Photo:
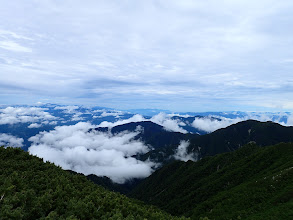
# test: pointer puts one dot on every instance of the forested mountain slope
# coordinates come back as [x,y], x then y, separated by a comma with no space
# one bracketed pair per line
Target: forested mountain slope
[228,139]
[231,138]
[32,189]
[250,183]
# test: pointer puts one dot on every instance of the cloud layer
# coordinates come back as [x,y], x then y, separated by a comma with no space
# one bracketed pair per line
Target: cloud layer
[10,140]
[74,148]
[13,115]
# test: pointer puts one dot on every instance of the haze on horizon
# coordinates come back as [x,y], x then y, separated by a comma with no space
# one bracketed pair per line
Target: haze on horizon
[177,55]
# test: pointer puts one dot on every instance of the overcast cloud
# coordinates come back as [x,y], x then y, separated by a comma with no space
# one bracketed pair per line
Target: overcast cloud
[102,154]
[178,55]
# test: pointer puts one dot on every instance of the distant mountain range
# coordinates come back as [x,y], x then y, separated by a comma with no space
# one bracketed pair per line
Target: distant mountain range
[228,139]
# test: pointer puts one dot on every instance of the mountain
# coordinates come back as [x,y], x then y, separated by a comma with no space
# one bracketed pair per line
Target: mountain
[150,133]
[32,189]
[250,183]
[229,139]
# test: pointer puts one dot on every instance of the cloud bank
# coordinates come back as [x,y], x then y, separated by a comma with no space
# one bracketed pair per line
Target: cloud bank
[13,115]
[213,122]
[135,118]
[168,123]
[10,140]
[74,148]
[160,119]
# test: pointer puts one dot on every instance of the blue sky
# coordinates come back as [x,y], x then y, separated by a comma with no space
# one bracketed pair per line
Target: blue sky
[179,55]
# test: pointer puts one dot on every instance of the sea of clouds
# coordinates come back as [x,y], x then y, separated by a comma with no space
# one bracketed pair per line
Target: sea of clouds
[73,147]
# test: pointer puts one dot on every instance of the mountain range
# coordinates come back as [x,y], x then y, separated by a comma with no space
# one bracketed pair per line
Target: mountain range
[242,171]
[164,143]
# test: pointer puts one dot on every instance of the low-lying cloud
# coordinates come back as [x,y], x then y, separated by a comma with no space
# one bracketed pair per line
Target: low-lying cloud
[160,119]
[212,123]
[182,154]
[105,113]
[13,115]
[135,118]
[103,154]
[10,140]
[72,110]
[168,123]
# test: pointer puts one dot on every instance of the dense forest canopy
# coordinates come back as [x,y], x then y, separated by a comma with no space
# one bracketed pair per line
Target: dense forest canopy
[32,189]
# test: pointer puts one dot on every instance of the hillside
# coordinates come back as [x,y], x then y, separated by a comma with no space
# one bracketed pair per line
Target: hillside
[32,189]
[251,183]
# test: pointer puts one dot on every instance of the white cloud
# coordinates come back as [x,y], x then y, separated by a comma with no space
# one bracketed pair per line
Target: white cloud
[290,120]
[70,109]
[182,154]
[160,119]
[135,118]
[10,140]
[226,50]
[102,154]
[211,124]
[76,117]
[4,33]
[13,115]
[13,46]
[116,114]
[34,125]
[168,123]
[214,122]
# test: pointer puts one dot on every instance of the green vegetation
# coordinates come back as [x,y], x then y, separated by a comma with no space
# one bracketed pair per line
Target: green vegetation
[32,189]
[251,183]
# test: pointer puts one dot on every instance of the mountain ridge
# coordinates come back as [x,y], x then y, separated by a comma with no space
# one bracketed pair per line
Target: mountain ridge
[246,183]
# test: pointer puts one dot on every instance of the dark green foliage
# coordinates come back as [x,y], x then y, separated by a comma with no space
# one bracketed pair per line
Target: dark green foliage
[251,183]
[108,184]
[32,189]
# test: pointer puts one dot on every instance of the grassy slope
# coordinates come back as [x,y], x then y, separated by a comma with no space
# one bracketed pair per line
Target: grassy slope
[32,189]
[250,183]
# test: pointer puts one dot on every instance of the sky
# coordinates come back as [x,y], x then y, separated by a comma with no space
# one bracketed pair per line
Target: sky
[212,55]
